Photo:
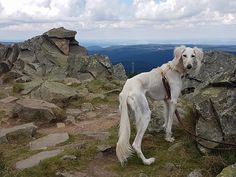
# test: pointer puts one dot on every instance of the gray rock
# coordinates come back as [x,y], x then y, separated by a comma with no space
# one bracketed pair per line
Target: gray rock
[49,141]
[8,99]
[71,81]
[69,157]
[38,111]
[55,92]
[17,134]
[60,33]
[8,56]
[70,120]
[61,125]
[62,44]
[214,99]
[195,173]
[91,115]
[102,148]
[119,72]
[36,159]
[157,116]
[87,107]
[73,112]
[170,167]
[229,171]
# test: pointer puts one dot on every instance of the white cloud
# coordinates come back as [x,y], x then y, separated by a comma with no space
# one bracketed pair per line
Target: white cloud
[91,15]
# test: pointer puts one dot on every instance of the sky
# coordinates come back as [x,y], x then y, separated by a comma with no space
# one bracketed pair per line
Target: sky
[141,21]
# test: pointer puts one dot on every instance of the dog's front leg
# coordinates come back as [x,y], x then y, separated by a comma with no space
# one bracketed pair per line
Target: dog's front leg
[172,107]
[166,114]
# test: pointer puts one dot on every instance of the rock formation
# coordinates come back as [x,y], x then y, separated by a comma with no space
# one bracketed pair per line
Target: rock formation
[42,64]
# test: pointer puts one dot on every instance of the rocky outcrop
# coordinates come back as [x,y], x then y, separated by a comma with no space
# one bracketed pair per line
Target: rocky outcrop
[209,99]
[55,55]
[214,98]
[44,63]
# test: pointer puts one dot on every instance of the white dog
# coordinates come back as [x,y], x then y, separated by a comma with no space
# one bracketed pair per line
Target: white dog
[150,84]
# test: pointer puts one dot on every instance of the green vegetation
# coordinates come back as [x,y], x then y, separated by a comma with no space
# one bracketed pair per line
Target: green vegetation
[17,88]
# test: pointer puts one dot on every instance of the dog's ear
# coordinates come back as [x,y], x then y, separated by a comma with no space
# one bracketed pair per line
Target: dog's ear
[178,51]
[199,56]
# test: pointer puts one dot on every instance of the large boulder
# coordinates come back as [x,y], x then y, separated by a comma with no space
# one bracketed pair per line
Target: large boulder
[17,134]
[8,55]
[55,92]
[38,111]
[229,171]
[214,99]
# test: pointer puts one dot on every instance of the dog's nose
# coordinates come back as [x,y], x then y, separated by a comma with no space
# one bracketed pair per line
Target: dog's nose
[189,66]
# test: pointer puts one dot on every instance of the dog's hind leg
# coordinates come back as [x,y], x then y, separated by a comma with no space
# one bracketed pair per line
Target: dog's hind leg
[142,116]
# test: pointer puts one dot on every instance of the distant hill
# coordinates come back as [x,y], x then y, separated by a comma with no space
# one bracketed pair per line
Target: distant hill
[6,43]
[145,57]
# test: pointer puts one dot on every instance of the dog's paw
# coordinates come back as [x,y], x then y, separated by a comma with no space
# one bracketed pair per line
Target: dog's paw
[170,139]
[149,161]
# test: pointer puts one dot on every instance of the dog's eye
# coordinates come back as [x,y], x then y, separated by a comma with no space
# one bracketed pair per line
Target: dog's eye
[193,56]
[185,56]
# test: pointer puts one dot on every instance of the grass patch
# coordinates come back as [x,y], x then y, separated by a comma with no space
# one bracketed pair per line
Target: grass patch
[17,88]
[186,158]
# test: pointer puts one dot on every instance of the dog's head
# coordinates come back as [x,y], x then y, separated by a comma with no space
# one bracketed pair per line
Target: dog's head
[186,57]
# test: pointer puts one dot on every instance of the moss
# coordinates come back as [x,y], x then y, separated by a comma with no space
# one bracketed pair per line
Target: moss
[96,86]
[17,88]
[2,94]
[212,91]
[2,114]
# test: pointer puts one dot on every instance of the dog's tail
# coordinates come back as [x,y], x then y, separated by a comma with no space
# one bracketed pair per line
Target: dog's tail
[123,147]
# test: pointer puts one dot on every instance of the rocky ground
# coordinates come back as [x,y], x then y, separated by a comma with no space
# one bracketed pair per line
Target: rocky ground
[59,115]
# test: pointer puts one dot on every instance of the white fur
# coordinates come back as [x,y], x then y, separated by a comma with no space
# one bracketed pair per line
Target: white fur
[150,84]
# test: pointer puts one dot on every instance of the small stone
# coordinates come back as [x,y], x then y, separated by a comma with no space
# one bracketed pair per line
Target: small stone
[103,148]
[61,125]
[69,157]
[170,167]
[73,112]
[87,107]
[91,115]
[195,173]
[70,120]
[71,81]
